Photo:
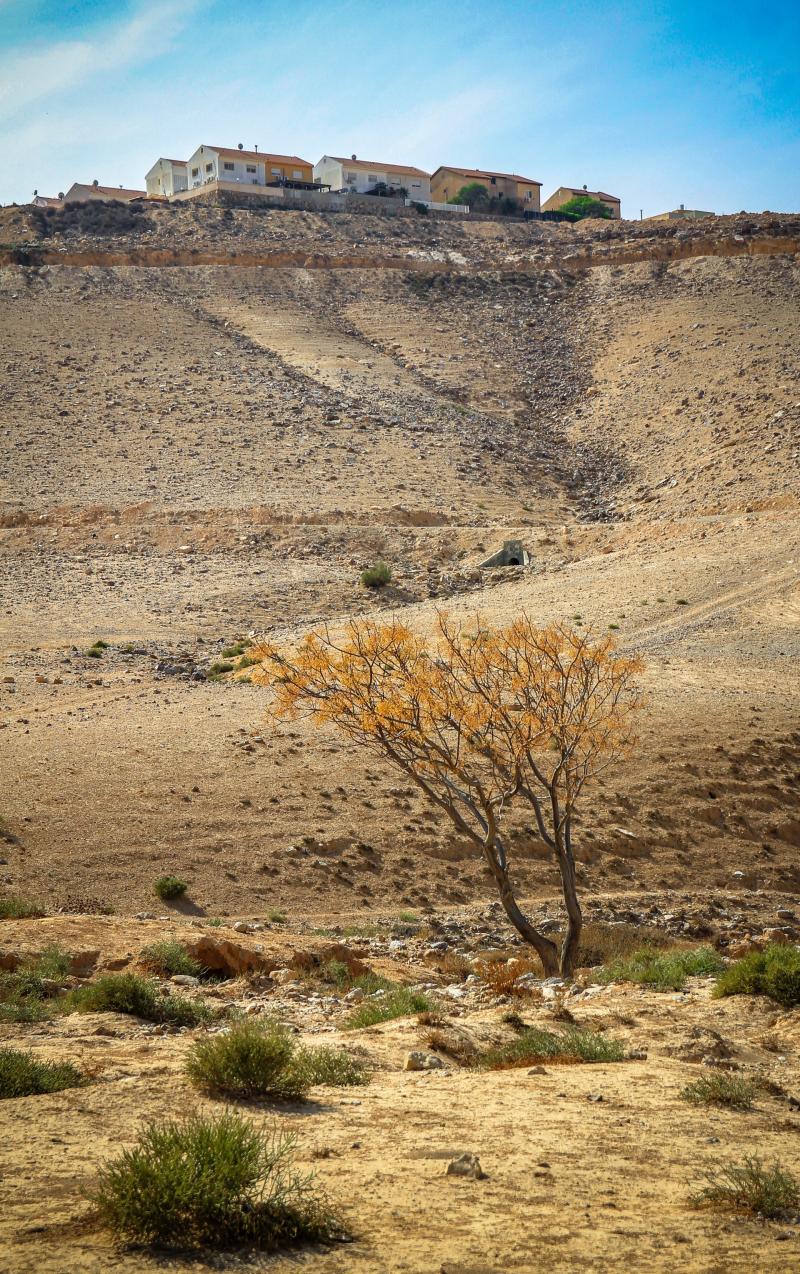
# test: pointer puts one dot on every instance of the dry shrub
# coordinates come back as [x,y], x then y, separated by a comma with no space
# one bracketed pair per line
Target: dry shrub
[452,965]
[602,942]
[453,1044]
[502,975]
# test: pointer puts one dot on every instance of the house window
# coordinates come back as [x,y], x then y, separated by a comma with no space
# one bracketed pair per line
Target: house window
[350,178]
[228,167]
[276,172]
[373,177]
[297,173]
[494,181]
[251,168]
[195,172]
[209,168]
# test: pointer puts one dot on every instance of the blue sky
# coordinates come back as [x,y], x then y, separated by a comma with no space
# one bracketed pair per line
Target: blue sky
[675,101]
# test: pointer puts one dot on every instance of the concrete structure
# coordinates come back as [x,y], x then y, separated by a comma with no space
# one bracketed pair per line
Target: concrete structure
[47,201]
[446,183]
[565,193]
[167,177]
[80,193]
[362,176]
[246,168]
[511,554]
[681,214]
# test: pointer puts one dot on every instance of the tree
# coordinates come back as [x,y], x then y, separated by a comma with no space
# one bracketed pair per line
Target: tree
[474,195]
[581,206]
[478,720]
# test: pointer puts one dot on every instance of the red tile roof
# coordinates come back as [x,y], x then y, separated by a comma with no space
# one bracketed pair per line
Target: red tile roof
[485,172]
[381,167]
[234,152]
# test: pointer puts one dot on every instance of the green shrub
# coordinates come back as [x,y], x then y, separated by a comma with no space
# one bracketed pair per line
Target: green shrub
[774,972]
[24,992]
[262,1059]
[168,887]
[750,1187]
[337,974]
[233,651]
[572,1044]
[719,1089]
[376,576]
[211,1182]
[168,958]
[401,1002]
[14,908]
[139,997]
[580,206]
[219,668]
[252,1059]
[662,971]
[23,1075]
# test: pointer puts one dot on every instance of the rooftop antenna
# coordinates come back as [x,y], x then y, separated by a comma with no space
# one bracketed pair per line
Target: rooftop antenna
[241,147]
[256,149]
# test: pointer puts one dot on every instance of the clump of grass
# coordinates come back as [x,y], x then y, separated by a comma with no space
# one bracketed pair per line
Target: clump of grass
[95,651]
[659,970]
[453,965]
[601,941]
[377,576]
[719,1089]
[169,958]
[407,917]
[276,917]
[236,649]
[751,1187]
[219,668]
[502,975]
[534,1044]
[25,992]
[23,1075]
[774,972]
[14,908]
[400,1002]
[261,1059]
[139,997]
[211,1183]
[168,887]
[336,973]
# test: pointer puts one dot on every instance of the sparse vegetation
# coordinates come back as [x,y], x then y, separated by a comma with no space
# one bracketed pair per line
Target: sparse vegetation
[219,669]
[238,648]
[502,975]
[95,651]
[662,971]
[23,1075]
[14,908]
[262,1059]
[26,991]
[377,576]
[169,958]
[720,1089]
[533,1044]
[140,997]
[773,1193]
[774,972]
[211,1183]
[402,1002]
[169,887]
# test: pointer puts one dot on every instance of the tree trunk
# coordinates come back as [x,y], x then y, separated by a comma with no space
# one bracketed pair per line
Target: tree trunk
[546,950]
[569,884]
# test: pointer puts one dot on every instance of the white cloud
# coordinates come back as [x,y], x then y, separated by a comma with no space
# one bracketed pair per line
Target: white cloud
[37,74]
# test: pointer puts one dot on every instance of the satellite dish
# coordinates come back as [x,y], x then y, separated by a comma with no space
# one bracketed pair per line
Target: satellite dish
[241,147]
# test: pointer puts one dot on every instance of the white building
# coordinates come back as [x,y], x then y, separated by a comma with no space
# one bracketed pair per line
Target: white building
[361,176]
[167,177]
[244,167]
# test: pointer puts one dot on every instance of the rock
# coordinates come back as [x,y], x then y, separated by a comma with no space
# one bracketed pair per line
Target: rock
[466,1165]
[417,1060]
[702,1043]
[537,1070]
[224,956]
[354,996]
[184,979]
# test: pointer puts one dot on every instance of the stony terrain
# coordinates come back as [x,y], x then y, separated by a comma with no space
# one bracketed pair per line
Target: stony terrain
[213,421]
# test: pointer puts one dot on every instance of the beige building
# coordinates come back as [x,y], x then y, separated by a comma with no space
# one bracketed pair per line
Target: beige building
[565,193]
[680,214]
[231,166]
[363,175]
[80,193]
[166,178]
[447,181]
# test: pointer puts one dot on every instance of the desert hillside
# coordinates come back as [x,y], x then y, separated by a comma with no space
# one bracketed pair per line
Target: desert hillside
[214,420]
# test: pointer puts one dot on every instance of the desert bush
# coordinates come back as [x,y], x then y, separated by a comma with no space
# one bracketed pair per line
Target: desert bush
[751,1187]
[168,958]
[376,576]
[662,972]
[719,1089]
[452,1044]
[236,649]
[211,1182]
[502,975]
[95,651]
[570,1045]
[335,973]
[453,965]
[602,942]
[401,1002]
[774,972]
[168,887]
[25,991]
[14,908]
[262,1059]
[219,668]
[139,997]
[23,1075]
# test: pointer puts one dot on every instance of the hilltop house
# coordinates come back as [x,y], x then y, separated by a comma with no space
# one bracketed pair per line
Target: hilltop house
[446,183]
[167,177]
[362,176]
[680,214]
[246,168]
[565,193]
[80,193]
